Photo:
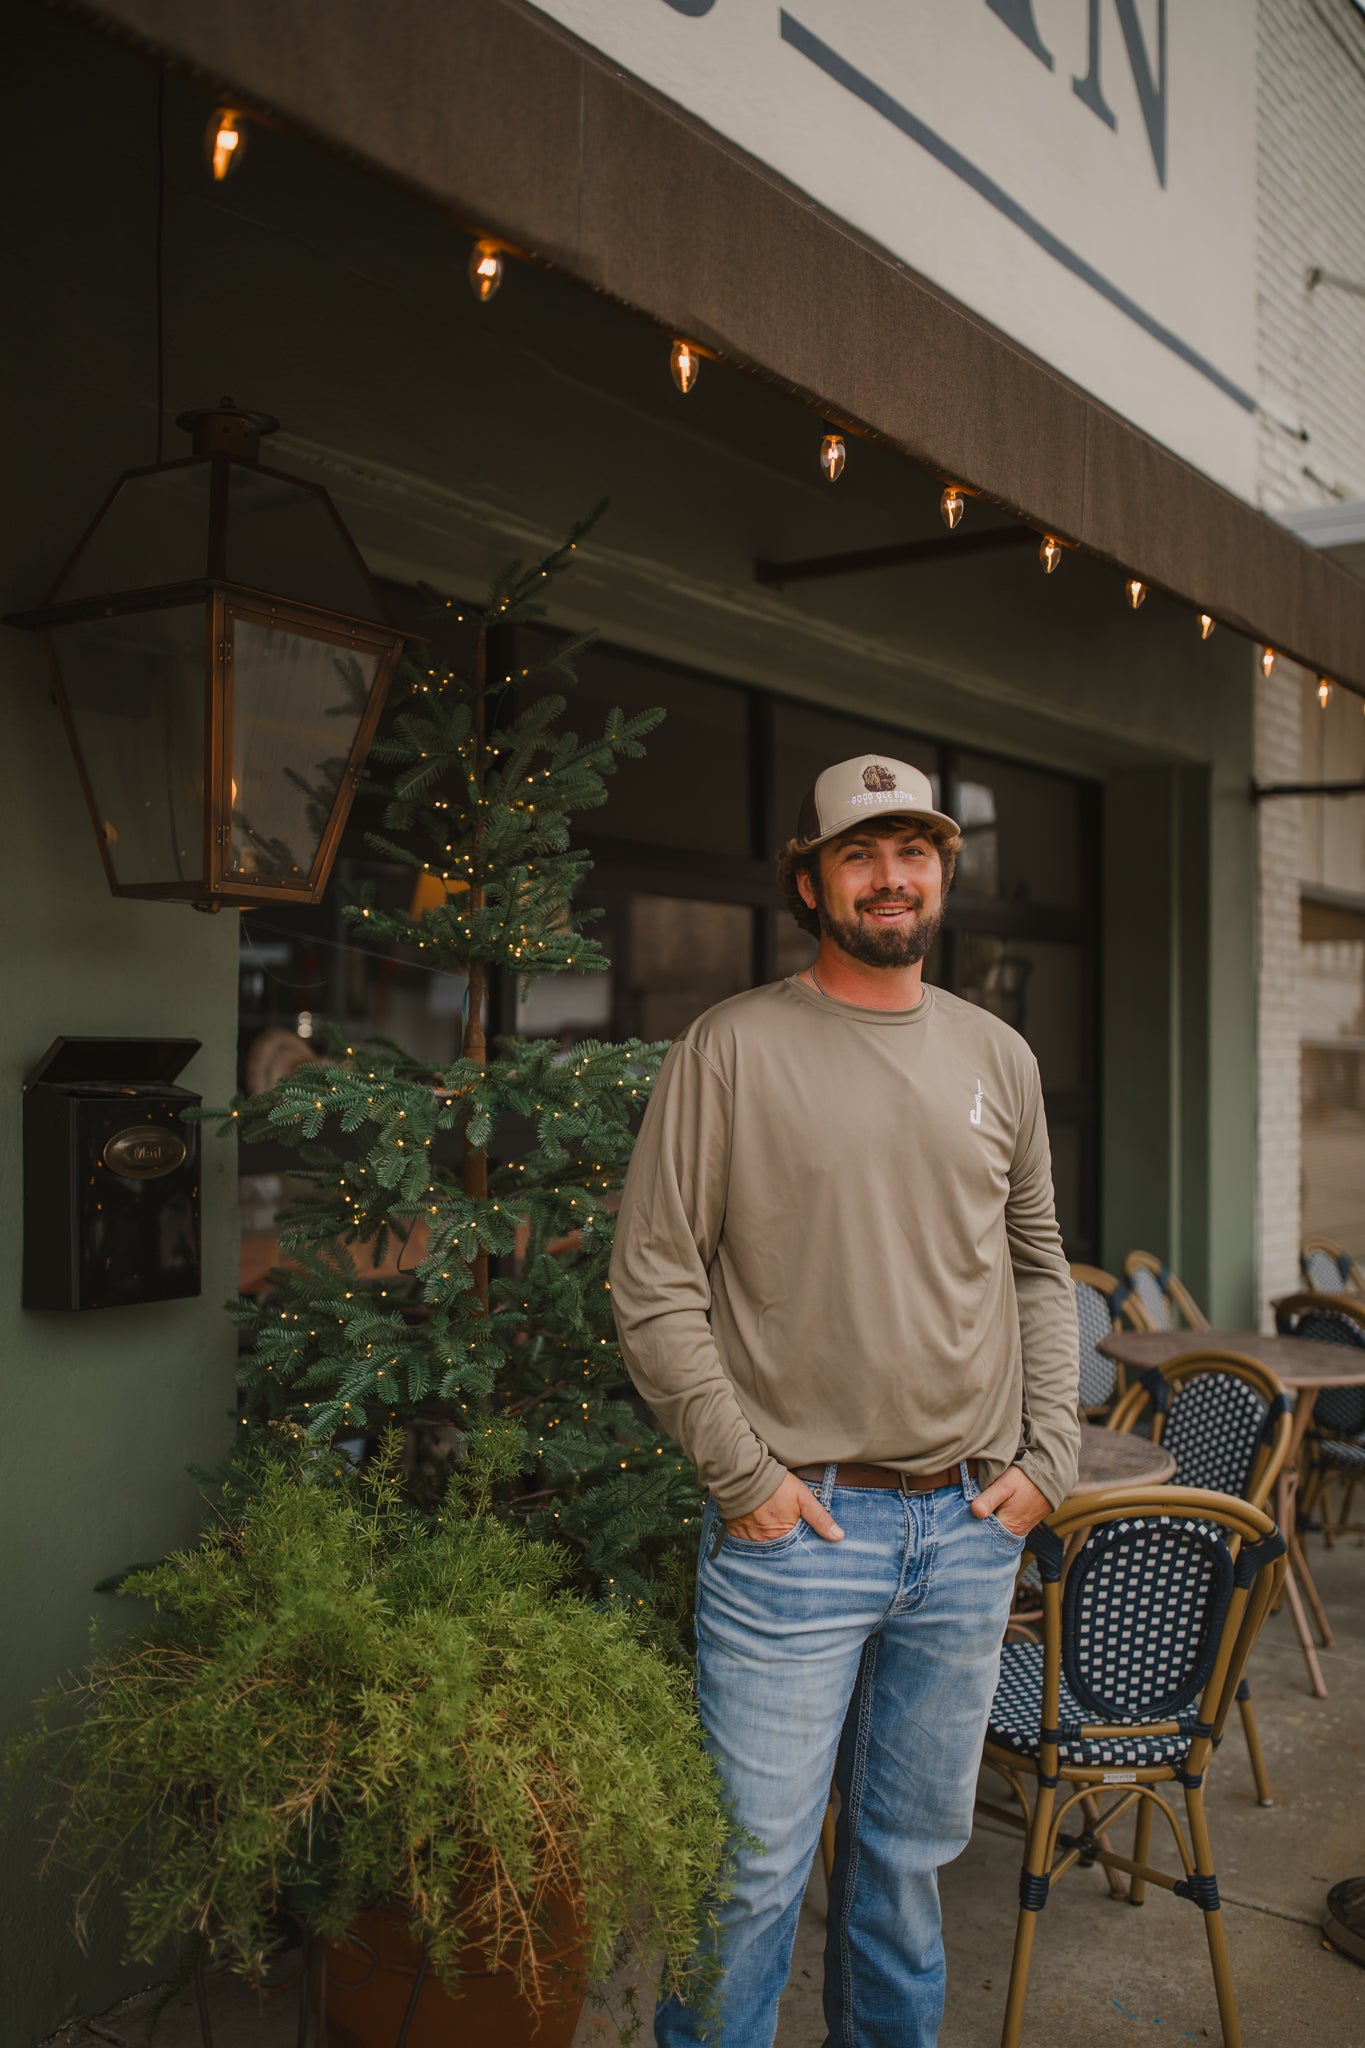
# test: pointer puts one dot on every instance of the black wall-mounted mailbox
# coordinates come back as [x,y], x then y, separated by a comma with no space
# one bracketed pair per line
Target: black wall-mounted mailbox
[111,1175]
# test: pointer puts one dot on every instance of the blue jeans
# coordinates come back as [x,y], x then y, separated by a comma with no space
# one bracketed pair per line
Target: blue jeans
[873,1662]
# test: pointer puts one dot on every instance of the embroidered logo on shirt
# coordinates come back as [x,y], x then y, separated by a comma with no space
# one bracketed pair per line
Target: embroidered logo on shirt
[878,777]
[975,1116]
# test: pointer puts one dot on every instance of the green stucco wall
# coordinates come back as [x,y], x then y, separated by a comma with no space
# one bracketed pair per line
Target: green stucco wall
[102,1411]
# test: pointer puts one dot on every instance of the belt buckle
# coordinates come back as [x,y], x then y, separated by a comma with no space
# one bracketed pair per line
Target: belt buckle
[903,1483]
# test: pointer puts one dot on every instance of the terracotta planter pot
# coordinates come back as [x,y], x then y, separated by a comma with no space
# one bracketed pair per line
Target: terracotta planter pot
[369,1982]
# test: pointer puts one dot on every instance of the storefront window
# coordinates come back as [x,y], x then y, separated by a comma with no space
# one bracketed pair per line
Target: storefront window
[682,875]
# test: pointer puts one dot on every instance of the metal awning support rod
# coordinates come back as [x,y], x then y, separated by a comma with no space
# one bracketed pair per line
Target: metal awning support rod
[1261,790]
[900,555]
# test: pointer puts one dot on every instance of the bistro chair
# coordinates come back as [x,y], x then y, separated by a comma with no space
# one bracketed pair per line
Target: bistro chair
[1335,1444]
[1168,1303]
[1103,1305]
[1147,1626]
[1227,1422]
[1330,1270]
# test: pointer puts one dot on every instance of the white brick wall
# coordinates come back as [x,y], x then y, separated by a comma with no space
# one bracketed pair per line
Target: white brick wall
[1311,369]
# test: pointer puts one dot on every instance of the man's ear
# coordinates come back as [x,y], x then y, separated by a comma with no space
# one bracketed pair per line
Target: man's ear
[806,887]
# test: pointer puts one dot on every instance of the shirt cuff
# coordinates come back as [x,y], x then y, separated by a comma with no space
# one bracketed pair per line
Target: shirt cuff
[1053,1477]
[748,1494]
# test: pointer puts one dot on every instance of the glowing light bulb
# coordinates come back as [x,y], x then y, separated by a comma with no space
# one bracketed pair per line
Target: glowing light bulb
[485,269]
[833,456]
[1267,661]
[1207,622]
[1049,554]
[951,506]
[1136,591]
[685,364]
[1324,692]
[224,141]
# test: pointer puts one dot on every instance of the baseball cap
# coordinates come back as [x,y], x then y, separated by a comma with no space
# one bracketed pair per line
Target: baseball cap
[858,792]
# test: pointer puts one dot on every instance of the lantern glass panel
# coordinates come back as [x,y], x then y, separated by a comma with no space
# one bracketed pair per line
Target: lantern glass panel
[155,531]
[134,689]
[284,538]
[297,703]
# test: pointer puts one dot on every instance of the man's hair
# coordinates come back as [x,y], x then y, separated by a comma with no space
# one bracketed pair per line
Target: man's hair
[800,855]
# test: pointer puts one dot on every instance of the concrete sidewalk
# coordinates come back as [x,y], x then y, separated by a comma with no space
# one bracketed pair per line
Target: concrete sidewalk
[1105,1974]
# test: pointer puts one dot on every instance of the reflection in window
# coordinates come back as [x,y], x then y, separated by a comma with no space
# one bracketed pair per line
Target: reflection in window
[683,958]
[1024,832]
[1035,986]
[1332,1014]
[691,787]
[978,864]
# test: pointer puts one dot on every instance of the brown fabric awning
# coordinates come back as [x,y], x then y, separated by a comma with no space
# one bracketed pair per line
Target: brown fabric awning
[522,132]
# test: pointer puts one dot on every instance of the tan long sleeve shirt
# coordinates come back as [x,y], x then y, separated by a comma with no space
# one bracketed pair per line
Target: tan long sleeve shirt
[837,1241]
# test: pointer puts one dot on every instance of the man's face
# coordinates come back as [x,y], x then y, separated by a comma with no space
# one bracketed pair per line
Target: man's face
[878,895]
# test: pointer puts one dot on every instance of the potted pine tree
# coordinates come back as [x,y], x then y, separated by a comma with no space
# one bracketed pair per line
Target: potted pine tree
[464,1782]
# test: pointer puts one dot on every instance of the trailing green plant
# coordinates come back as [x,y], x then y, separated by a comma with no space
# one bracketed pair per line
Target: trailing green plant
[339,1702]
[497,1175]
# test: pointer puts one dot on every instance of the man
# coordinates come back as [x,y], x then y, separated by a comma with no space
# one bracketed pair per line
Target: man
[838,1281]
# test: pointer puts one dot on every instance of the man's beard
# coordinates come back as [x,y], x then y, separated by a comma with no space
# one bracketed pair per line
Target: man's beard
[896,945]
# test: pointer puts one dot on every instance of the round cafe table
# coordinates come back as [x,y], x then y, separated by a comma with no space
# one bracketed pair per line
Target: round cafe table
[1110,1457]
[1304,1367]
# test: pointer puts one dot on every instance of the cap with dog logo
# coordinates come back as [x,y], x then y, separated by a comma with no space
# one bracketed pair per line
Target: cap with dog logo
[860,791]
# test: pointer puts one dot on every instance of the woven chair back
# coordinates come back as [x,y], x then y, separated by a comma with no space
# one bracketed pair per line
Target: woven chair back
[1166,1301]
[1215,1425]
[1150,1293]
[1143,1608]
[1322,1272]
[1330,1270]
[1094,1319]
[1340,1411]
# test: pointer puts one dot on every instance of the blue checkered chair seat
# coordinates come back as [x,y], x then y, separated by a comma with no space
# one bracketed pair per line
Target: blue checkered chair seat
[1017,1712]
[1347,1454]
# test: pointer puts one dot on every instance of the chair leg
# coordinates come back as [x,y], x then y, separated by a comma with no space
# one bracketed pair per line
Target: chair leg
[1252,1733]
[1142,1849]
[1329,1527]
[1090,1807]
[1213,1920]
[1032,1886]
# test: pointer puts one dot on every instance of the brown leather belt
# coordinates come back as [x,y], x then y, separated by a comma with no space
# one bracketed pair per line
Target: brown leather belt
[882,1475]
